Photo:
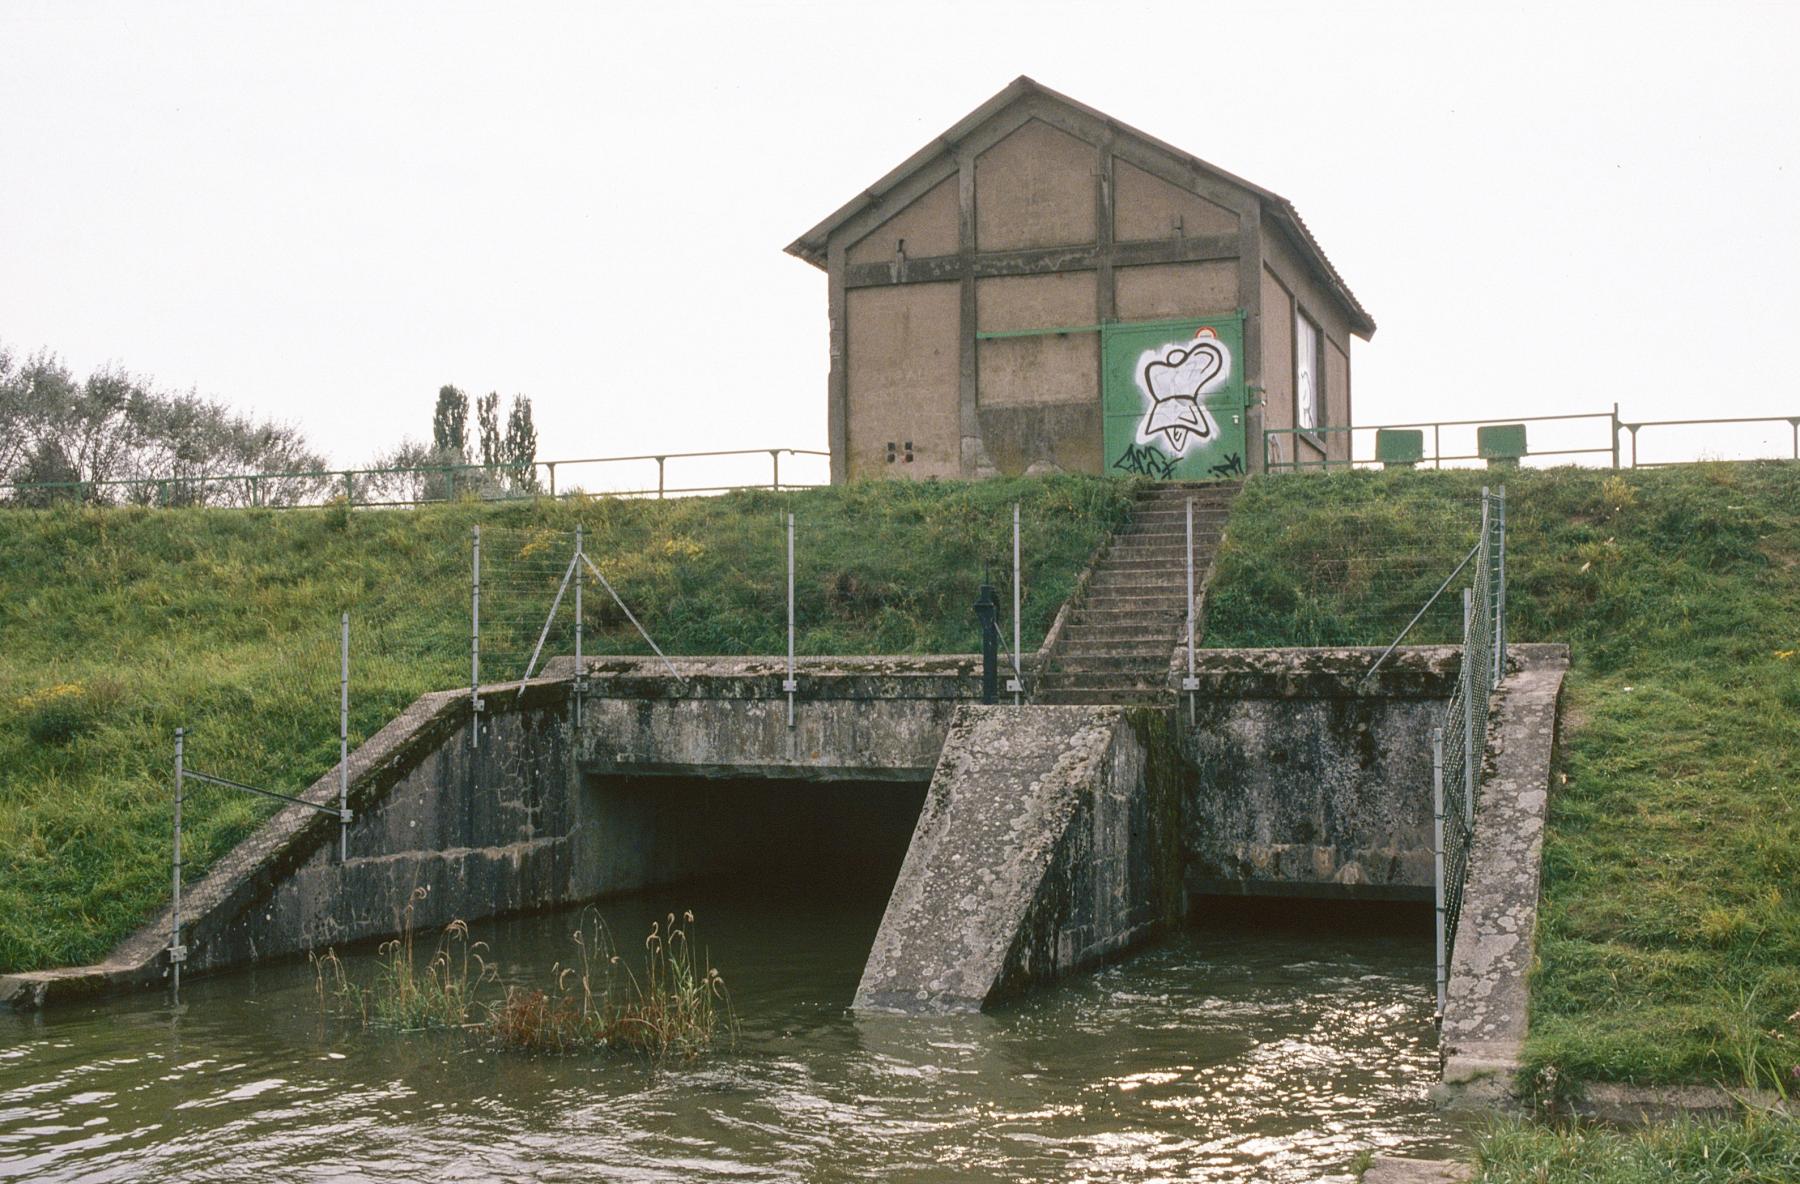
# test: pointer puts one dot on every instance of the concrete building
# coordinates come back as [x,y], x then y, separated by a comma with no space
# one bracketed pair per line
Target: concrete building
[1042,288]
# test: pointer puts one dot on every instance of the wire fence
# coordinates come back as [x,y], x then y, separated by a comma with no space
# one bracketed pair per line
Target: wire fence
[1459,743]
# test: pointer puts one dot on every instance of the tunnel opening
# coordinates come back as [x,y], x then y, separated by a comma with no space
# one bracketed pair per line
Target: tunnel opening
[755,837]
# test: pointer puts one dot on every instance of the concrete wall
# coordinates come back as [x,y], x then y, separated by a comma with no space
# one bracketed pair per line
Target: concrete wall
[541,814]
[1146,208]
[1307,780]
[924,228]
[1035,188]
[1048,840]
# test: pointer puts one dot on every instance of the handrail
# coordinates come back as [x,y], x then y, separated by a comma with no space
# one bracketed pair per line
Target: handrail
[452,475]
[1437,457]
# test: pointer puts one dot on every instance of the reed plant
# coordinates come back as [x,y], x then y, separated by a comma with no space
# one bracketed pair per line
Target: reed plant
[440,992]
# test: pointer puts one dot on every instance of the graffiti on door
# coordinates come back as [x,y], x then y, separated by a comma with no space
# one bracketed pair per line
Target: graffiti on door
[1173,378]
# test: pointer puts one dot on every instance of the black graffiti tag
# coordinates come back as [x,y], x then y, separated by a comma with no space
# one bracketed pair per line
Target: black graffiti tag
[1146,461]
[1231,466]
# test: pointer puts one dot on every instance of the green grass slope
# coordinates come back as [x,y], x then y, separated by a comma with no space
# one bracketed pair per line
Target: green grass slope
[117,626]
[1670,939]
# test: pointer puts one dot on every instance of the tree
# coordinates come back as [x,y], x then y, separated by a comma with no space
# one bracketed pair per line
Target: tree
[113,427]
[450,426]
[487,424]
[520,446]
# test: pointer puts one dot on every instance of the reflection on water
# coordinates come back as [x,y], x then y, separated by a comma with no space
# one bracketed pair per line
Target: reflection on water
[1257,1050]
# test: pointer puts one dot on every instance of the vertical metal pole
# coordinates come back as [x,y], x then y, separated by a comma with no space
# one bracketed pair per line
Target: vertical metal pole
[775,460]
[344,743]
[789,685]
[1018,685]
[177,954]
[1615,435]
[1437,854]
[551,465]
[1632,428]
[580,670]
[1190,684]
[475,645]
[659,475]
[1796,423]
[1471,755]
[1437,446]
[1500,591]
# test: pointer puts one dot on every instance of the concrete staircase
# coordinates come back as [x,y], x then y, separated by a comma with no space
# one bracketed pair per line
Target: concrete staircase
[1116,643]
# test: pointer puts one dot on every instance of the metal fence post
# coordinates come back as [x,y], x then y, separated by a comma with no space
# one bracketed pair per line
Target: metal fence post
[775,461]
[659,475]
[344,743]
[1437,854]
[177,951]
[475,643]
[1471,757]
[580,670]
[1191,683]
[788,684]
[1018,678]
[1615,435]
[1500,590]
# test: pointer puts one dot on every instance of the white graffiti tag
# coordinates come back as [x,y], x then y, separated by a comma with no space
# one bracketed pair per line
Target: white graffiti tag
[1174,377]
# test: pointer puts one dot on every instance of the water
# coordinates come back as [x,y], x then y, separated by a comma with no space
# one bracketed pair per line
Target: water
[1259,1049]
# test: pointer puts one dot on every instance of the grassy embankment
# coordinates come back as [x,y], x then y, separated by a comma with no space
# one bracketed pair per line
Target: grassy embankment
[1669,943]
[1762,1149]
[116,626]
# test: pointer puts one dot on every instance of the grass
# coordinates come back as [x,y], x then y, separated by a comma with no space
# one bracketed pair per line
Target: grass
[1758,1149]
[674,1010]
[118,625]
[1669,941]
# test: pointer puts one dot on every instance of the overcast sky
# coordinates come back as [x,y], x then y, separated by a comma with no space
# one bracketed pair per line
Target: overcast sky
[322,213]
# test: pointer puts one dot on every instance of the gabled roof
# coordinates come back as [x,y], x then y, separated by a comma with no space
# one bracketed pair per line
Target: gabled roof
[811,245]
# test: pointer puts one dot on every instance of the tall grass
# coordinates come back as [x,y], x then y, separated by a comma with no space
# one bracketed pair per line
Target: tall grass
[673,1007]
[1761,1148]
[118,625]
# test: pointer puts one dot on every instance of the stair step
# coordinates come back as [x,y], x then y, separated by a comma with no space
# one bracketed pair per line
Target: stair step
[1101,698]
[1082,633]
[1107,680]
[1076,649]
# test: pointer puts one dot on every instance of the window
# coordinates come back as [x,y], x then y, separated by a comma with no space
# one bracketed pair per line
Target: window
[1309,375]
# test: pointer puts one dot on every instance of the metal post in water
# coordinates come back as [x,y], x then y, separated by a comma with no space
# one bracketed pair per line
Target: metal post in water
[177,951]
[1017,686]
[580,670]
[344,743]
[788,684]
[1191,683]
[1471,754]
[475,645]
[1437,855]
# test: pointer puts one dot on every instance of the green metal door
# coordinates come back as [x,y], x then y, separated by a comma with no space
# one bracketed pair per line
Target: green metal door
[1173,394]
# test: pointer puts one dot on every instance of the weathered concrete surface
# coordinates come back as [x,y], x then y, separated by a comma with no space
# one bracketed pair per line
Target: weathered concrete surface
[250,871]
[1486,1007]
[1047,842]
[860,719]
[518,823]
[1309,779]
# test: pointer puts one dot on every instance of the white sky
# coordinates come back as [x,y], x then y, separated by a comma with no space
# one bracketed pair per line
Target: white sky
[322,213]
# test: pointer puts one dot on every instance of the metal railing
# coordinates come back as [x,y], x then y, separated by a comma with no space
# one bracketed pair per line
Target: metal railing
[408,486]
[1282,446]
[1460,742]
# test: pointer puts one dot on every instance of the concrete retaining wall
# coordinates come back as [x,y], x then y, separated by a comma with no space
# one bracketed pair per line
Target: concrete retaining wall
[538,815]
[1308,779]
[1048,841]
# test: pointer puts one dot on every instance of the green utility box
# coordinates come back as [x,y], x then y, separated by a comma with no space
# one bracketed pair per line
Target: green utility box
[1501,444]
[1399,448]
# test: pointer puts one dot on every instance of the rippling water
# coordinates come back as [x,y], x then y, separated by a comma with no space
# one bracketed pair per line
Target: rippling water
[1261,1049]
